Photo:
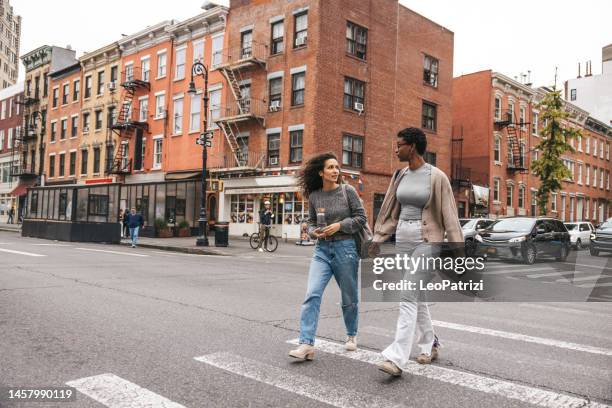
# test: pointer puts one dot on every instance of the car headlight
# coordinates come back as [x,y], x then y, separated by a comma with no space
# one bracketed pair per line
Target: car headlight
[478,238]
[519,239]
[593,236]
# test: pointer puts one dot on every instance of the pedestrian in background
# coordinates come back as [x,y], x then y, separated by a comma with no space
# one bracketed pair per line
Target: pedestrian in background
[419,208]
[265,221]
[11,213]
[335,253]
[126,228]
[135,222]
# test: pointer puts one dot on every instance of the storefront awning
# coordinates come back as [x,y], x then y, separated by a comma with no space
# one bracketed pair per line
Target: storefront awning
[481,195]
[184,175]
[20,190]
[262,190]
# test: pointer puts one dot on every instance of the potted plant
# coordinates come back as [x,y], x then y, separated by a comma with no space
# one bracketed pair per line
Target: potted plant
[184,229]
[161,228]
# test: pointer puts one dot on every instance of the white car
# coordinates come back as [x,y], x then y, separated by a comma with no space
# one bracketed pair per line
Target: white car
[580,233]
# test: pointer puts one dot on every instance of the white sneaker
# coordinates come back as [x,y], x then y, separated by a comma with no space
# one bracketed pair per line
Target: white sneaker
[351,343]
[260,249]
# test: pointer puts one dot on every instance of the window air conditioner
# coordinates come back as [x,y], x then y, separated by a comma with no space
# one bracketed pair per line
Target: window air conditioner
[359,107]
[86,129]
[112,86]
[274,106]
[300,41]
[273,161]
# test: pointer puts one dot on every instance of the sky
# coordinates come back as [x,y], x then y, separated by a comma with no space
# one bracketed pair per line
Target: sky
[511,37]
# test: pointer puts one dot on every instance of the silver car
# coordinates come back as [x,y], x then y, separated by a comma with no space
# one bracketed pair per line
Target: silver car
[470,227]
[580,233]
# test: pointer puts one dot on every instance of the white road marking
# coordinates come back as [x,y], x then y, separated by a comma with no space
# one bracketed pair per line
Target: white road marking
[496,272]
[595,285]
[115,392]
[296,383]
[164,253]
[567,310]
[587,265]
[112,252]
[543,275]
[10,251]
[53,245]
[584,278]
[507,389]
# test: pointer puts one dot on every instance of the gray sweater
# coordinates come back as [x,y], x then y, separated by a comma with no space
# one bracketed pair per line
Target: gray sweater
[351,217]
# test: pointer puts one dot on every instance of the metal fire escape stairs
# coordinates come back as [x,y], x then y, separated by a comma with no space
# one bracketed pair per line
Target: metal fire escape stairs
[514,131]
[125,125]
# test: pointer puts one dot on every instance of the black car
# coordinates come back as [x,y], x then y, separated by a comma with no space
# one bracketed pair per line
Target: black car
[525,238]
[601,238]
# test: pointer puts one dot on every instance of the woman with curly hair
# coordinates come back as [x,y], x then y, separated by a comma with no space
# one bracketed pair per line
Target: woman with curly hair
[335,214]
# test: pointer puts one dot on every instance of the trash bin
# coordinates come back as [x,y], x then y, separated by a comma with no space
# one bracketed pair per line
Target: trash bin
[222,234]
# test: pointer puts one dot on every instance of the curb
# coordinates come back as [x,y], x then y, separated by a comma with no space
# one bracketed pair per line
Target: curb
[193,251]
[10,230]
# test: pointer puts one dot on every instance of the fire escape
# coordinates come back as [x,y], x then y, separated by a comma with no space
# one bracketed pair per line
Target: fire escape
[516,142]
[22,151]
[243,109]
[128,119]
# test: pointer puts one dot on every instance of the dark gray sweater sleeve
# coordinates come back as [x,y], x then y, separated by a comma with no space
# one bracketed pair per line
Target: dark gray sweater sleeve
[312,217]
[357,220]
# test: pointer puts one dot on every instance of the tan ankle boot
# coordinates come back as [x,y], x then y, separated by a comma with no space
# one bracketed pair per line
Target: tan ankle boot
[351,343]
[390,368]
[424,359]
[303,352]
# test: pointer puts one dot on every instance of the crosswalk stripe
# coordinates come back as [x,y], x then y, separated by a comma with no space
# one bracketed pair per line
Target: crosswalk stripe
[567,310]
[10,251]
[113,252]
[115,392]
[502,272]
[507,389]
[583,278]
[544,275]
[595,285]
[506,335]
[296,383]
[52,245]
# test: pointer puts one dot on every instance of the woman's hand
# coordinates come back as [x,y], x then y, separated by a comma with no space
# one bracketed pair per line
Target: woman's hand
[330,230]
[374,249]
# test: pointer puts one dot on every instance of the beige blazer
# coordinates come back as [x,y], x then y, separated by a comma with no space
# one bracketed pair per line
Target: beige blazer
[439,214]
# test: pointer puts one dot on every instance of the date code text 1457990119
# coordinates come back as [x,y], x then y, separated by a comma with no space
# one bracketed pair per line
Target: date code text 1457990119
[40,394]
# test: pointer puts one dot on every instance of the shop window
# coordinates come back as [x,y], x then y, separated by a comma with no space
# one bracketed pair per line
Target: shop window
[98,205]
[242,208]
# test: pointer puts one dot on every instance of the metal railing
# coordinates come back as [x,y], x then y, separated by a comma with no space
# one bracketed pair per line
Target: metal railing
[244,108]
[247,159]
[253,52]
[135,76]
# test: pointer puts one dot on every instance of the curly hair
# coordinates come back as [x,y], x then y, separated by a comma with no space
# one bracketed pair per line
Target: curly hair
[309,179]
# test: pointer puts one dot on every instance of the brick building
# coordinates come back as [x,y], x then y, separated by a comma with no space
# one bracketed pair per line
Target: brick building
[498,120]
[10,28]
[11,118]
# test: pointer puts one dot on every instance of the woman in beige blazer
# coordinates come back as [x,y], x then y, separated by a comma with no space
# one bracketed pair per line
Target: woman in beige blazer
[419,208]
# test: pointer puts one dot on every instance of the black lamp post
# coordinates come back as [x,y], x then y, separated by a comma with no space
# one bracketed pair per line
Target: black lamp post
[205,140]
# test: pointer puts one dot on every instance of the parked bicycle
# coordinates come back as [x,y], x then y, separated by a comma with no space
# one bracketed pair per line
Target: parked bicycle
[269,244]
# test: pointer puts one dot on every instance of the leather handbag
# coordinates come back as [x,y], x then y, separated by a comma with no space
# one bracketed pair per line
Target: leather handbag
[363,237]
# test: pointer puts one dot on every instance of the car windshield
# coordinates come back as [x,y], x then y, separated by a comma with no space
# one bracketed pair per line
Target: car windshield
[513,225]
[571,227]
[606,225]
[467,224]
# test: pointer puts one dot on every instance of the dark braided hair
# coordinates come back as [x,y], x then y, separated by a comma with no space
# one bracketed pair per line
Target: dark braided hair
[309,179]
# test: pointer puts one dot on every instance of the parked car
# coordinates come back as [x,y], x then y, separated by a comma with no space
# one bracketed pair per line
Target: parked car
[580,233]
[601,238]
[470,227]
[527,238]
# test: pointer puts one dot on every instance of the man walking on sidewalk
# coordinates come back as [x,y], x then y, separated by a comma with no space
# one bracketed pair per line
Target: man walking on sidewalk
[11,213]
[135,222]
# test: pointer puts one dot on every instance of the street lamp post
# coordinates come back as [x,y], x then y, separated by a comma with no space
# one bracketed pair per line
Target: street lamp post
[205,140]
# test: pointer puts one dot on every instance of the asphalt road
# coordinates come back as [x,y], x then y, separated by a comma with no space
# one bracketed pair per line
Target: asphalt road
[145,328]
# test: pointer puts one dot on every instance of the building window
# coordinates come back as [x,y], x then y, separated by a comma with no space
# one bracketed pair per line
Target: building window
[161,65]
[52,166]
[98,205]
[429,121]
[113,74]
[587,145]
[179,66]
[534,204]
[98,119]
[553,202]
[96,161]
[217,51]
[87,86]
[607,151]
[85,122]
[274,149]
[100,83]
[64,129]
[73,156]
[430,71]
[298,84]
[145,69]
[76,91]
[572,94]
[144,109]
[295,146]
[497,149]
[608,180]
[53,131]
[66,93]
[278,34]
[352,151]
[215,108]
[246,44]
[601,178]
[242,209]
[142,153]
[430,157]
[160,101]
[522,118]
[55,96]
[595,177]
[276,93]
[521,196]
[301,30]
[198,51]
[579,173]
[498,108]
[496,190]
[511,111]
[509,189]
[84,157]
[157,153]
[587,175]
[75,126]
[354,93]
[594,147]
[601,149]
[579,143]
[194,113]
[62,164]
[178,116]
[356,40]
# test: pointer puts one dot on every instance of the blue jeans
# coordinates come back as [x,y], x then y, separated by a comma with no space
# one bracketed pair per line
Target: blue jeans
[340,260]
[134,235]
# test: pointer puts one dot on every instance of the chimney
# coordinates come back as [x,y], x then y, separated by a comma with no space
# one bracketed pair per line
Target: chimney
[579,71]
[529,78]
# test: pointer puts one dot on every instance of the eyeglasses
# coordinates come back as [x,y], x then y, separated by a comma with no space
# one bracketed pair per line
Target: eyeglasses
[402,144]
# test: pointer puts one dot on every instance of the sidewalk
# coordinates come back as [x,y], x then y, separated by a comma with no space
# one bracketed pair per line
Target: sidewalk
[10,227]
[237,246]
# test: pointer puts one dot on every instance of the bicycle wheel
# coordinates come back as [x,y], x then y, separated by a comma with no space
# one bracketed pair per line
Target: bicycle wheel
[254,240]
[271,243]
